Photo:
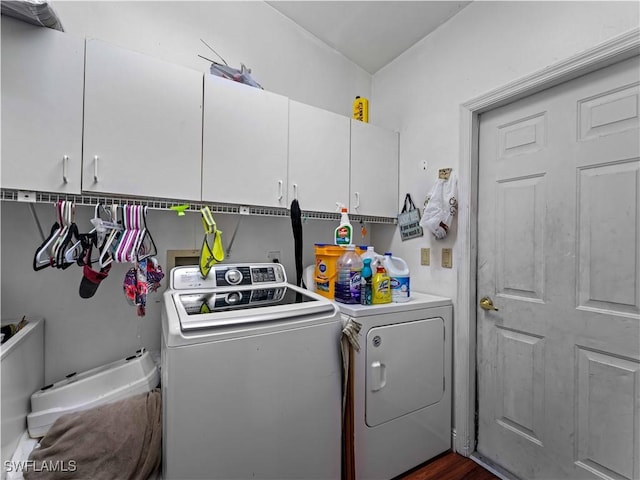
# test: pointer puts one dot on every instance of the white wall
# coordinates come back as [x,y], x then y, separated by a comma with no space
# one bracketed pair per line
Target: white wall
[84,333]
[485,46]
[284,58]
[81,334]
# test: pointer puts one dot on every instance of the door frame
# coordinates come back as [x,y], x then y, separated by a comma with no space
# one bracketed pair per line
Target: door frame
[614,50]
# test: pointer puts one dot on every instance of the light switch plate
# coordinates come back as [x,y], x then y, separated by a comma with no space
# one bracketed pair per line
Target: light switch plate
[425,256]
[447,258]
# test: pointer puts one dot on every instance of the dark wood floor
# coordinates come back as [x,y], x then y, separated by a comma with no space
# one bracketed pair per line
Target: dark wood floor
[449,466]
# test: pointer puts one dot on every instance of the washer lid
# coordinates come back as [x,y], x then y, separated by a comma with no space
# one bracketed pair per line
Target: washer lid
[210,308]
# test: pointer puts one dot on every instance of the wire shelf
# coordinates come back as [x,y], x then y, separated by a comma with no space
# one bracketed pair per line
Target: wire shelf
[166,204]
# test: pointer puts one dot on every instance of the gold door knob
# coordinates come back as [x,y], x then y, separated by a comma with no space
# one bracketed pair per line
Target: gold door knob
[487,304]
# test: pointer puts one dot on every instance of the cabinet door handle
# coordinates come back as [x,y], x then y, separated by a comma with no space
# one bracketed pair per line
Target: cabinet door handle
[295,191]
[65,164]
[357,205]
[280,183]
[95,169]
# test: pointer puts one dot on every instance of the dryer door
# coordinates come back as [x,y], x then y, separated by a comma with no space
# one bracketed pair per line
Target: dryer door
[405,369]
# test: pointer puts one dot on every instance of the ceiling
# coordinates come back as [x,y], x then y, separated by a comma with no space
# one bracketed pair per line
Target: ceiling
[370,33]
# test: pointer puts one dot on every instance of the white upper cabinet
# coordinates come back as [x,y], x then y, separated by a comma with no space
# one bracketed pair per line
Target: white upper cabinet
[244,152]
[318,157]
[374,170]
[42,77]
[142,125]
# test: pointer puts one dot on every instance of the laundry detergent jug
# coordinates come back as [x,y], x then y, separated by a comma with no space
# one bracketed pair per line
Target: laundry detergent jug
[398,271]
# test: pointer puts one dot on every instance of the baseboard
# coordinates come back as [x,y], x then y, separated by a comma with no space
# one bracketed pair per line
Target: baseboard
[497,470]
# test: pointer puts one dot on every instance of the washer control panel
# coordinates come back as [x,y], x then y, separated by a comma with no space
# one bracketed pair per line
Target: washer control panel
[226,276]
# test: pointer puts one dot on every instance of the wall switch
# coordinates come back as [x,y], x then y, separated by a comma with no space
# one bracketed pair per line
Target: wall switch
[447,258]
[425,256]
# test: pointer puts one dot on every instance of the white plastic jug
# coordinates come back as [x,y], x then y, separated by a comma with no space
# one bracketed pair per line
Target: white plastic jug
[398,270]
[370,253]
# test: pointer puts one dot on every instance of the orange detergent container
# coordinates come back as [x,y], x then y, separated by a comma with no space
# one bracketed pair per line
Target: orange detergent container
[326,272]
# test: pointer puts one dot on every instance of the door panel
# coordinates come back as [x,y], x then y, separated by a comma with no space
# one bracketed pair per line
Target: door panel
[559,254]
[520,209]
[405,369]
[601,187]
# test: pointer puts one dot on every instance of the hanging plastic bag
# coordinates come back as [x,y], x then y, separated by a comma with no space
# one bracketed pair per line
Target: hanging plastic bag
[441,205]
[409,220]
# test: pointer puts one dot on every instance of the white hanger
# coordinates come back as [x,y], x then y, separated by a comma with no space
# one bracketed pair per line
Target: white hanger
[77,249]
[106,256]
[42,258]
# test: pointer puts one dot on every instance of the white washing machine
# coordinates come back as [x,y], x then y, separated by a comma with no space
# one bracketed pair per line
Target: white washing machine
[402,384]
[251,377]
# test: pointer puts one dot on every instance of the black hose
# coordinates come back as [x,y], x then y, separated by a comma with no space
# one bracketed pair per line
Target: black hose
[296,225]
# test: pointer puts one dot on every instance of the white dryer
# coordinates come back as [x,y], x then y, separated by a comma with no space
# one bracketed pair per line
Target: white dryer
[402,384]
[251,377]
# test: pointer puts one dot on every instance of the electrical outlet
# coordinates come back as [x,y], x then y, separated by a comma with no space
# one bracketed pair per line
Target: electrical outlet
[447,258]
[274,256]
[425,256]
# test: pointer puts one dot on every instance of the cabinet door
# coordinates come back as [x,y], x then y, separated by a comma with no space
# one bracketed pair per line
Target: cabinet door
[244,151]
[318,157]
[374,170]
[42,81]
[142,125]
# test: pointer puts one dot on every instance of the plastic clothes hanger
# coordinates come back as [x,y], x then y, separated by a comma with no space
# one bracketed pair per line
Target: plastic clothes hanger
[134,222]
[124,239]
[72,232]
[111,241]
[137,247]
[86,241]
[62,235]
[42,258]
[147,246]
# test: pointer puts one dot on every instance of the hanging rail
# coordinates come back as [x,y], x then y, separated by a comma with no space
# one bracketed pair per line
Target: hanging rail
[166,204]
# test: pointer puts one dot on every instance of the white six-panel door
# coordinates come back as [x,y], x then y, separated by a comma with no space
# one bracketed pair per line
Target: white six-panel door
[559,256]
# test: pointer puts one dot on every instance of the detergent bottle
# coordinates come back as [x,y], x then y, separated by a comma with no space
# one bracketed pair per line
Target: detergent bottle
[347,285]
[398,271]
[370,253]
[381,286]
[366,283]
[344,231]
[361,109]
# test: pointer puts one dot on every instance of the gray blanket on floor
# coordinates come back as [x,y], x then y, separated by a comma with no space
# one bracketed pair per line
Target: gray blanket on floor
[121,440]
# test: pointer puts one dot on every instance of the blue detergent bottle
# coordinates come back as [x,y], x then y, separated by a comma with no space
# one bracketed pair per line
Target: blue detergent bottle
[366,278]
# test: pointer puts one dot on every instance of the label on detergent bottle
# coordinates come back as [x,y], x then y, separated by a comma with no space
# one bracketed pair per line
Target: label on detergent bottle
[322,281]
[361,109]
[354,286]
[347,288]
[381,288]
[343,235]
[400,291]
